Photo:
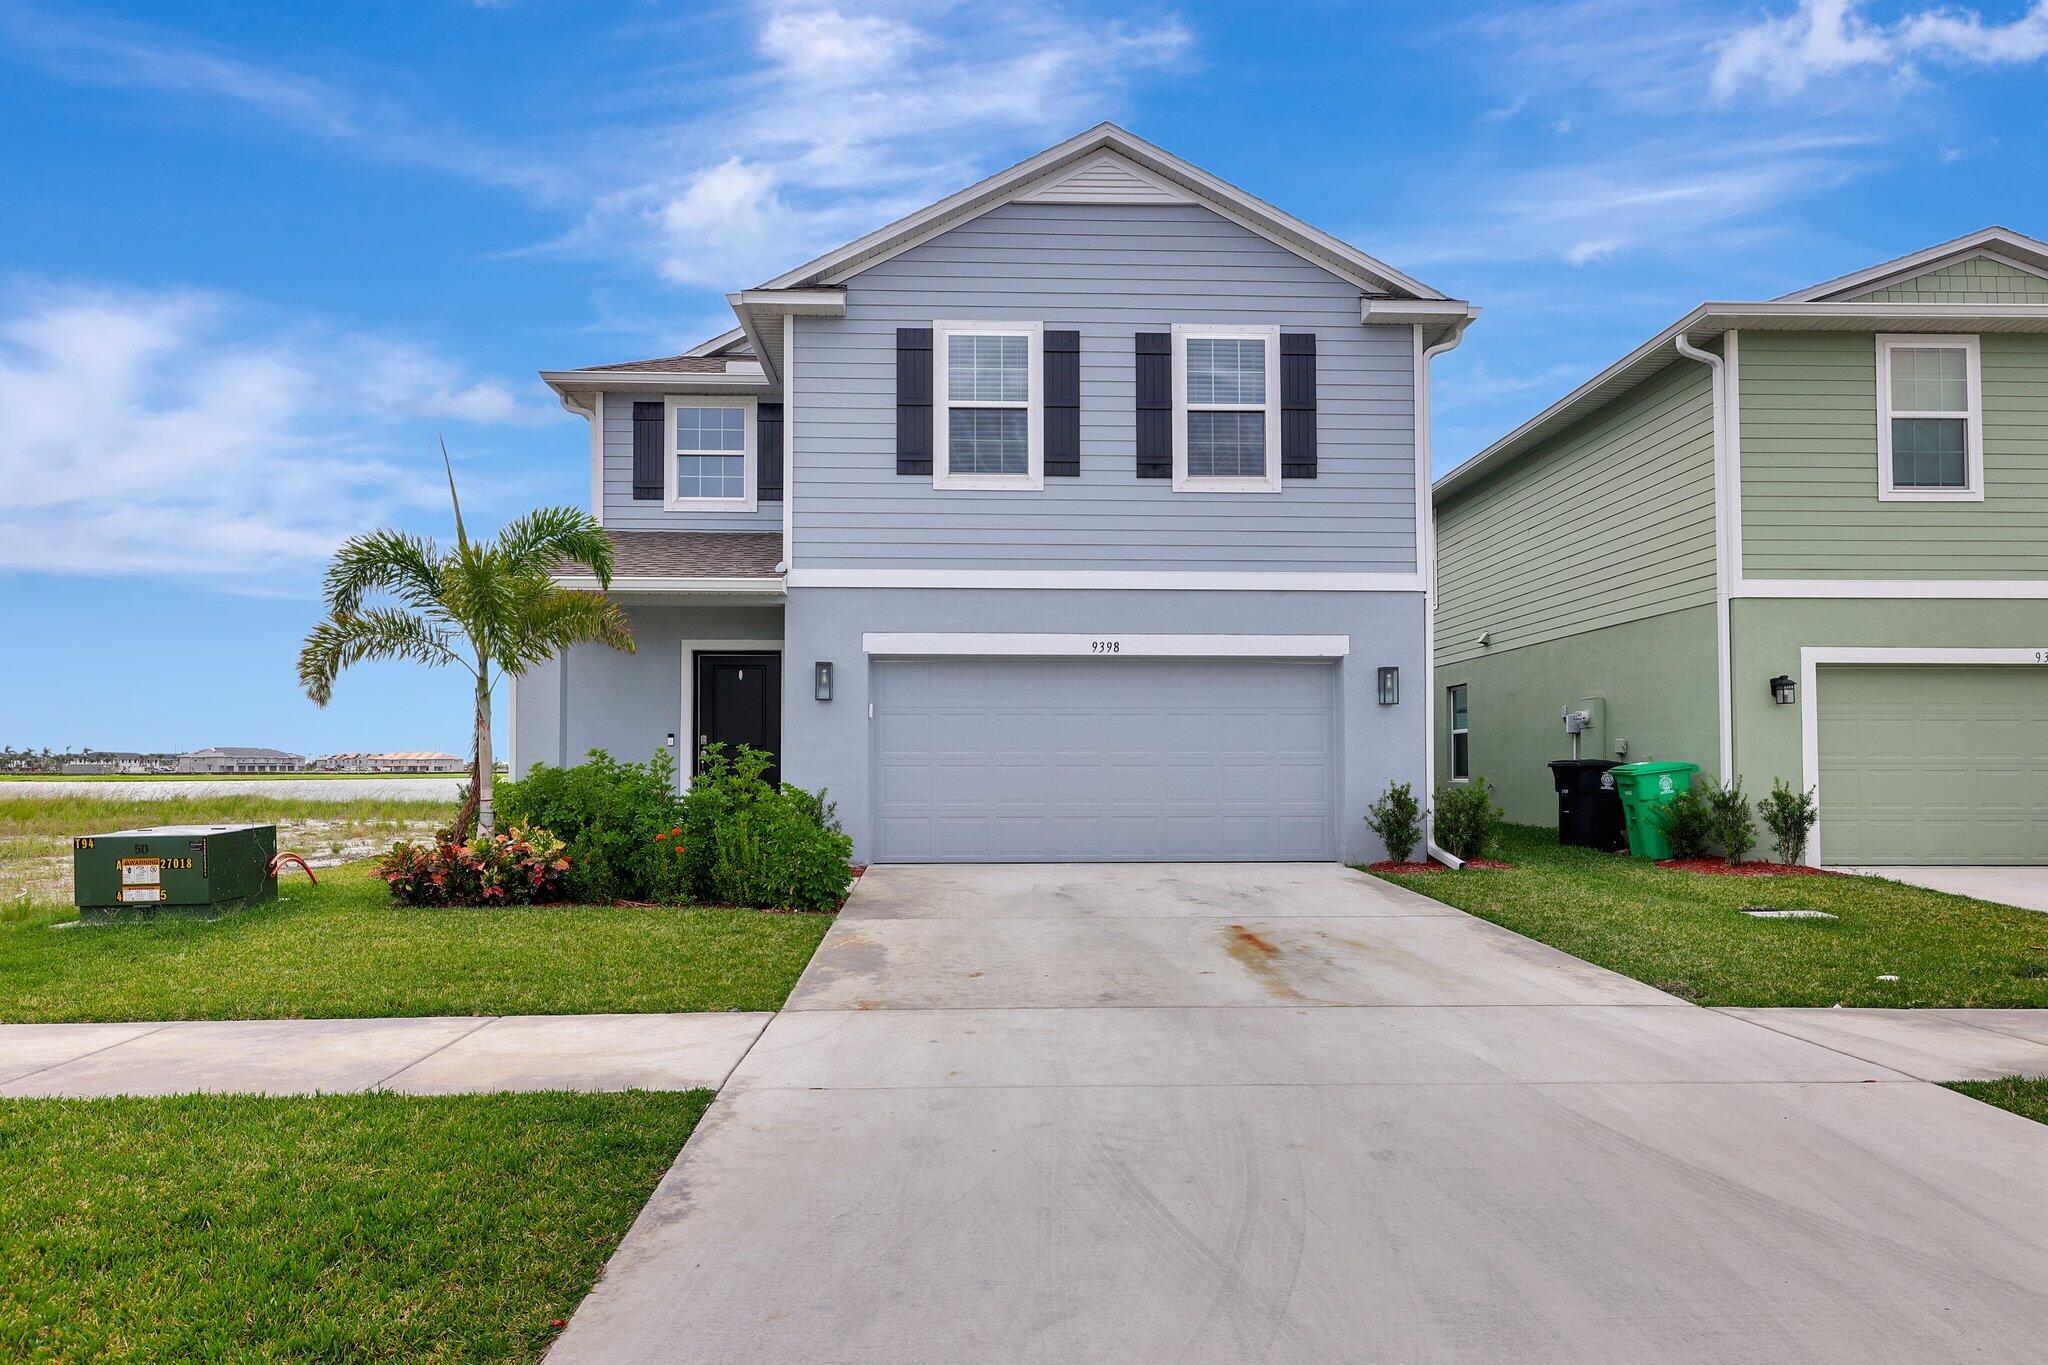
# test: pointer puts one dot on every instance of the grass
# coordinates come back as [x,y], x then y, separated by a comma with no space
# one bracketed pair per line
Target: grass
[2027,1098]
[214,777]
[1681,931]
[343,950]
[360,1227]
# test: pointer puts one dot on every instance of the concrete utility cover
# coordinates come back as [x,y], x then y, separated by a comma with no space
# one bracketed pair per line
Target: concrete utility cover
[1293,1113]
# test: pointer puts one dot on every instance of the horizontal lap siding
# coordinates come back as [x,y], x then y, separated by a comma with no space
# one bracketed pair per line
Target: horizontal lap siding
[1612,521]
[1109,271]
[1809,467]
[623,513]
[1978,280]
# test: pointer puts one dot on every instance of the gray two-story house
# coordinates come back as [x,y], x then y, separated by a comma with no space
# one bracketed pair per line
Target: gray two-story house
[1079,516]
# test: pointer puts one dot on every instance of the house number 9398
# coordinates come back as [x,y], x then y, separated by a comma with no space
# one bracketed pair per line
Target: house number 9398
[1105,646]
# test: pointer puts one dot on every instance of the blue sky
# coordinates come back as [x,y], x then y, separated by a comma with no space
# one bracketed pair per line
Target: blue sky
[257,257]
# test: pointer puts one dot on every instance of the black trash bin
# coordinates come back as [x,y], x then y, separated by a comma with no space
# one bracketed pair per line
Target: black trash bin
[1588,806]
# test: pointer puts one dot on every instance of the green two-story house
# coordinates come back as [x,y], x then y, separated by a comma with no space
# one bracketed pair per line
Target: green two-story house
[1804,539]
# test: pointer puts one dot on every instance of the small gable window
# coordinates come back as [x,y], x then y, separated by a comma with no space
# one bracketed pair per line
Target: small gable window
[1930,421]
[991,420]
[712,454]
[1226,436]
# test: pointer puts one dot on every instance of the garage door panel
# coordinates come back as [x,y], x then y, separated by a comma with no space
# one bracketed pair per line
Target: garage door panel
[1087,760]
[1933,764]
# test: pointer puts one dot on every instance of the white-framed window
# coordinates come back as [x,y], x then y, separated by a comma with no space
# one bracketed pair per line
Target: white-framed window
[1226,409]
[1930,419]
[988,405]
[712,448]
[1461,736]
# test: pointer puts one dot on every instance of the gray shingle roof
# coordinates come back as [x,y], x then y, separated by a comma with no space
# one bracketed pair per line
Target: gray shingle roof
[668,364]
[692,554]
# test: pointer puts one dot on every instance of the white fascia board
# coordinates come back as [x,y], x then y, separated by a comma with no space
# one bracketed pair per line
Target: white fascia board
[673,380]
[717,343]
[1107,580]
[1877,276]
[765,587]
[1101,645]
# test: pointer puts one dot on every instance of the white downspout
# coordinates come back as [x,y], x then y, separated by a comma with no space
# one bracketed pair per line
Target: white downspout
[1426,526]
[1723,678]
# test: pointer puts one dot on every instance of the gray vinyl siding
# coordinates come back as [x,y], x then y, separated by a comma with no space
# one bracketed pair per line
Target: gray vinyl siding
[1610,521]
[1110,271]
[623,513]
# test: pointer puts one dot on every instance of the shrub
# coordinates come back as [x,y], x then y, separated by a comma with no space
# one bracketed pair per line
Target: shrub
[1397,819]
[1466,819]
[1790,817]
[1729,820]
[747,842]
[1688,824]
[515,866]
[608,814]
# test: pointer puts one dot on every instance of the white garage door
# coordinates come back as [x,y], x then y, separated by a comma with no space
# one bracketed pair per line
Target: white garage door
[1129,760]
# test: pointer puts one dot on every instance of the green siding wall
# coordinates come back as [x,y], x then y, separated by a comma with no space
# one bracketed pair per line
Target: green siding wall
[1610,522]
[1809,467]
[1655,679]
[1979,279]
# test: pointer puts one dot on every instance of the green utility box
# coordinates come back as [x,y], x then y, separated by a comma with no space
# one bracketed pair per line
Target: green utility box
[1644,787]
[179,869]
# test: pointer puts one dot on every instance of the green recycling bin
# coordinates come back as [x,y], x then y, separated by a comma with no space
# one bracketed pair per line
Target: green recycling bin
[1644,787]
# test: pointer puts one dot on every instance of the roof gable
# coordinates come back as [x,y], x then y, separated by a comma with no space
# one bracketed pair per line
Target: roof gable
[2015,251]
[1982,277]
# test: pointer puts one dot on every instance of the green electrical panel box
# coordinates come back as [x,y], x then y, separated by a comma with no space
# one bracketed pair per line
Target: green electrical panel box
[180,869]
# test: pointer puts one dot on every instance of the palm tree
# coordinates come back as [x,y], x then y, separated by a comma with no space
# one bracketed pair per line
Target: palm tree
[488,606]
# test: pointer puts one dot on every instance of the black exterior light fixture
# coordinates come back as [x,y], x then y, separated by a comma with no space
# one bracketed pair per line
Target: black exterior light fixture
[1390,686]
[821,681]
[1784,691]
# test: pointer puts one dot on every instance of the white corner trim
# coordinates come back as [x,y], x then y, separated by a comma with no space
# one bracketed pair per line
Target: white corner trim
[1033,478]
[768,587]
[750,451]
[1973,417]
[788,440]
[512,726]
[1903,589]
[1812,657]
[1183,481]
[686,731]
[1102,645]
[1164,580]
[1724,683]
[597,457]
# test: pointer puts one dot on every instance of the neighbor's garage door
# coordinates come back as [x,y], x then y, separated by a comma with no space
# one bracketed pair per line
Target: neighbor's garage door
[1014,760]
[1933,765]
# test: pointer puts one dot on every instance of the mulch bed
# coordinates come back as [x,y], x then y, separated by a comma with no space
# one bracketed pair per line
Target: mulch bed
[1389,865]
[1721,867]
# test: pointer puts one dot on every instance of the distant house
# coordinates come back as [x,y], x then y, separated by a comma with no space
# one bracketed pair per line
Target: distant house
[97,762]
[415,761]
[224,760]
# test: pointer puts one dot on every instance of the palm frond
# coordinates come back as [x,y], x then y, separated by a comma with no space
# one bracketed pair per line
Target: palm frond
[541,540]
[551,620]
[343,640]
[397,562]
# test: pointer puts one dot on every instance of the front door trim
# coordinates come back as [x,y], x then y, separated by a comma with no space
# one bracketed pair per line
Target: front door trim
[685,753]
[1811,657]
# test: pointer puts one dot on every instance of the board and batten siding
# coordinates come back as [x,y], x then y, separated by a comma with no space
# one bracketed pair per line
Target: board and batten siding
[1610,521]
[1110,271]
[623,512]
[1809,467]
[1979,279]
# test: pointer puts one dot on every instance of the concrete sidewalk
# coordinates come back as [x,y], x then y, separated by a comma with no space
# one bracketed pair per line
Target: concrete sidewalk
[1930,1045]
[438,1056]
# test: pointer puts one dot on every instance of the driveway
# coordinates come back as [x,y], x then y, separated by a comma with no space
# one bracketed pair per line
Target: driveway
[1247,1113]
[2026,887]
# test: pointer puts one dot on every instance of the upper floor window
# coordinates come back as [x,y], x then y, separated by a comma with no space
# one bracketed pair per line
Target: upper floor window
[712,448]
[1930,437]
[1461,736]
[990,414]
[1226,419]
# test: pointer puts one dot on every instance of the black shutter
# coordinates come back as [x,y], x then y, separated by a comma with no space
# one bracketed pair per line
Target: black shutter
[1062,405]
[914,400]
[1297,405]
[650,422]
[768,461]
[1155,405]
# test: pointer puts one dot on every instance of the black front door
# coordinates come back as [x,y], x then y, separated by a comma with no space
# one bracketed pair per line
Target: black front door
[739,701]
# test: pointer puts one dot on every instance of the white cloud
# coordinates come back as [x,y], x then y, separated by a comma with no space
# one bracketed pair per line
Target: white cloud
[158,432]
[1784,55]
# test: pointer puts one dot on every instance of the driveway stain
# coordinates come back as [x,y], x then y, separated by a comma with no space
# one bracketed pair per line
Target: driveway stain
[1257,955]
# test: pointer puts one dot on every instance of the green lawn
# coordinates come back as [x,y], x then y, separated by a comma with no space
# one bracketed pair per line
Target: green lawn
[1681,931]
[342,950]
[361,1227]
[2027,1098]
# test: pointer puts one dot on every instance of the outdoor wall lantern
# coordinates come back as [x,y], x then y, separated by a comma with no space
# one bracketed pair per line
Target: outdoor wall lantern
[1390,686]
[821,681]
[1783,690]
[671,739]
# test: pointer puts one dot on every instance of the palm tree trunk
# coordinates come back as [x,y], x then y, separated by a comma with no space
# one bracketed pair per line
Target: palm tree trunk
[484,768]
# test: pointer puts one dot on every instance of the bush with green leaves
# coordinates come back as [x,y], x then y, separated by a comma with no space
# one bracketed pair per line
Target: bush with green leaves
[1688,823]
[1466,819]
[1397,819]
[608,813]
[748,842]
[1790,815]
[1731,822]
